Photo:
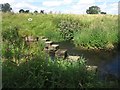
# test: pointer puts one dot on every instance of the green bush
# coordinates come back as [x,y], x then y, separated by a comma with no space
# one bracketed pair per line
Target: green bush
[98,33]
[12,43]
[67,27]
[44,73]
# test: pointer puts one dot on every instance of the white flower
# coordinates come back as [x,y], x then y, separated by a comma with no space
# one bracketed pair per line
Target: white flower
[29,19]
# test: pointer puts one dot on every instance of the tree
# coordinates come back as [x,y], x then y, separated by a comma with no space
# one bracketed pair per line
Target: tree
[93,10]
[27,11]
[35,11]
[6,7]
[42,11]
[103,13]
[21,11]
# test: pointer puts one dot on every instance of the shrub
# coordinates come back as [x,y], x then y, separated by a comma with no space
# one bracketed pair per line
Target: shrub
[44,73]
[13,43]
[67,27]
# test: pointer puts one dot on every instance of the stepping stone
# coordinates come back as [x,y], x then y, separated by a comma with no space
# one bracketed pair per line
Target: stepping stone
[54,47]
[48,43]
[27,38]
[46,49]
[30,39]
[92,68]
[42,37]
[45,39]
[73,58]
[50,52]
[61,53]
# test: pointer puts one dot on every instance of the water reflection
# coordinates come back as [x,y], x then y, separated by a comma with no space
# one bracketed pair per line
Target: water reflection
[112,67]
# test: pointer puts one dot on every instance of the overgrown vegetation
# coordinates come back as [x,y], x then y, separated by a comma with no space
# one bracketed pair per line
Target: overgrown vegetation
[12,44]
[90,31]
[100,33]
[43,73]
[68,27]
[38,70]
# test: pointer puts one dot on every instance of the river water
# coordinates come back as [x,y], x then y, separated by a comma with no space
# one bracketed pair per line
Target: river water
[107,61]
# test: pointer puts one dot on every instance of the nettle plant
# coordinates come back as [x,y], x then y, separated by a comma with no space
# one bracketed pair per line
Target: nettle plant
[13,44]
[67,27]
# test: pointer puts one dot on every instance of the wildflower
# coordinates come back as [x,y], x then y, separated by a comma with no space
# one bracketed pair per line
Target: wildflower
[29,19]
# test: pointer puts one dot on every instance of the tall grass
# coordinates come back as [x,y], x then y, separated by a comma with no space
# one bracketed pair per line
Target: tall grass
[44,73]
[99,32]
[93,31]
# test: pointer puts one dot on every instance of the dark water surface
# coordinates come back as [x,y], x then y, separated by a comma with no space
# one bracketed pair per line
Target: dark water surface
[107,61]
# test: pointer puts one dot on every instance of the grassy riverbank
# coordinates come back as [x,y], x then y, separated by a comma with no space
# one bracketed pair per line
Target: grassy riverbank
[39,71]
[91,31]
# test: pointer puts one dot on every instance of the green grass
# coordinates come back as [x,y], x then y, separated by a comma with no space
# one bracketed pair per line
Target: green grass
[93,30]
[101,31]
[44,73]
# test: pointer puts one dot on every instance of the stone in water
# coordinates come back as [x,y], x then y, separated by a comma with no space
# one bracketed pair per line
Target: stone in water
[92,68]
[55,47]
[48,43]
[73,58]
[61,53]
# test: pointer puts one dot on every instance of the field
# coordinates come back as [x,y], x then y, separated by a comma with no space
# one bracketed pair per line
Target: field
[86,31]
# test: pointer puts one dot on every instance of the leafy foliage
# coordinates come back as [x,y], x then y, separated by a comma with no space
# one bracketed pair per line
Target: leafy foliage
[21,11]
[68,27]
[27,11]
[93,10]
[103,13]
[44,73]
[6,7]
[35,11]
[13,43]
[97,35]
[16,48]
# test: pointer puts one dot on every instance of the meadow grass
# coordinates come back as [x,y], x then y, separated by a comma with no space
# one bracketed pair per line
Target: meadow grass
[93,31]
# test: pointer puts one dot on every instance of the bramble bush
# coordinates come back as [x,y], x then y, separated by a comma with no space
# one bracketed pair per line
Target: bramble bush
[14,46]
[12,43]
[68,27]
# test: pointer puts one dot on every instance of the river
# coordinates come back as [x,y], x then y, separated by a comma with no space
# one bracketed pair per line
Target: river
[107,61]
